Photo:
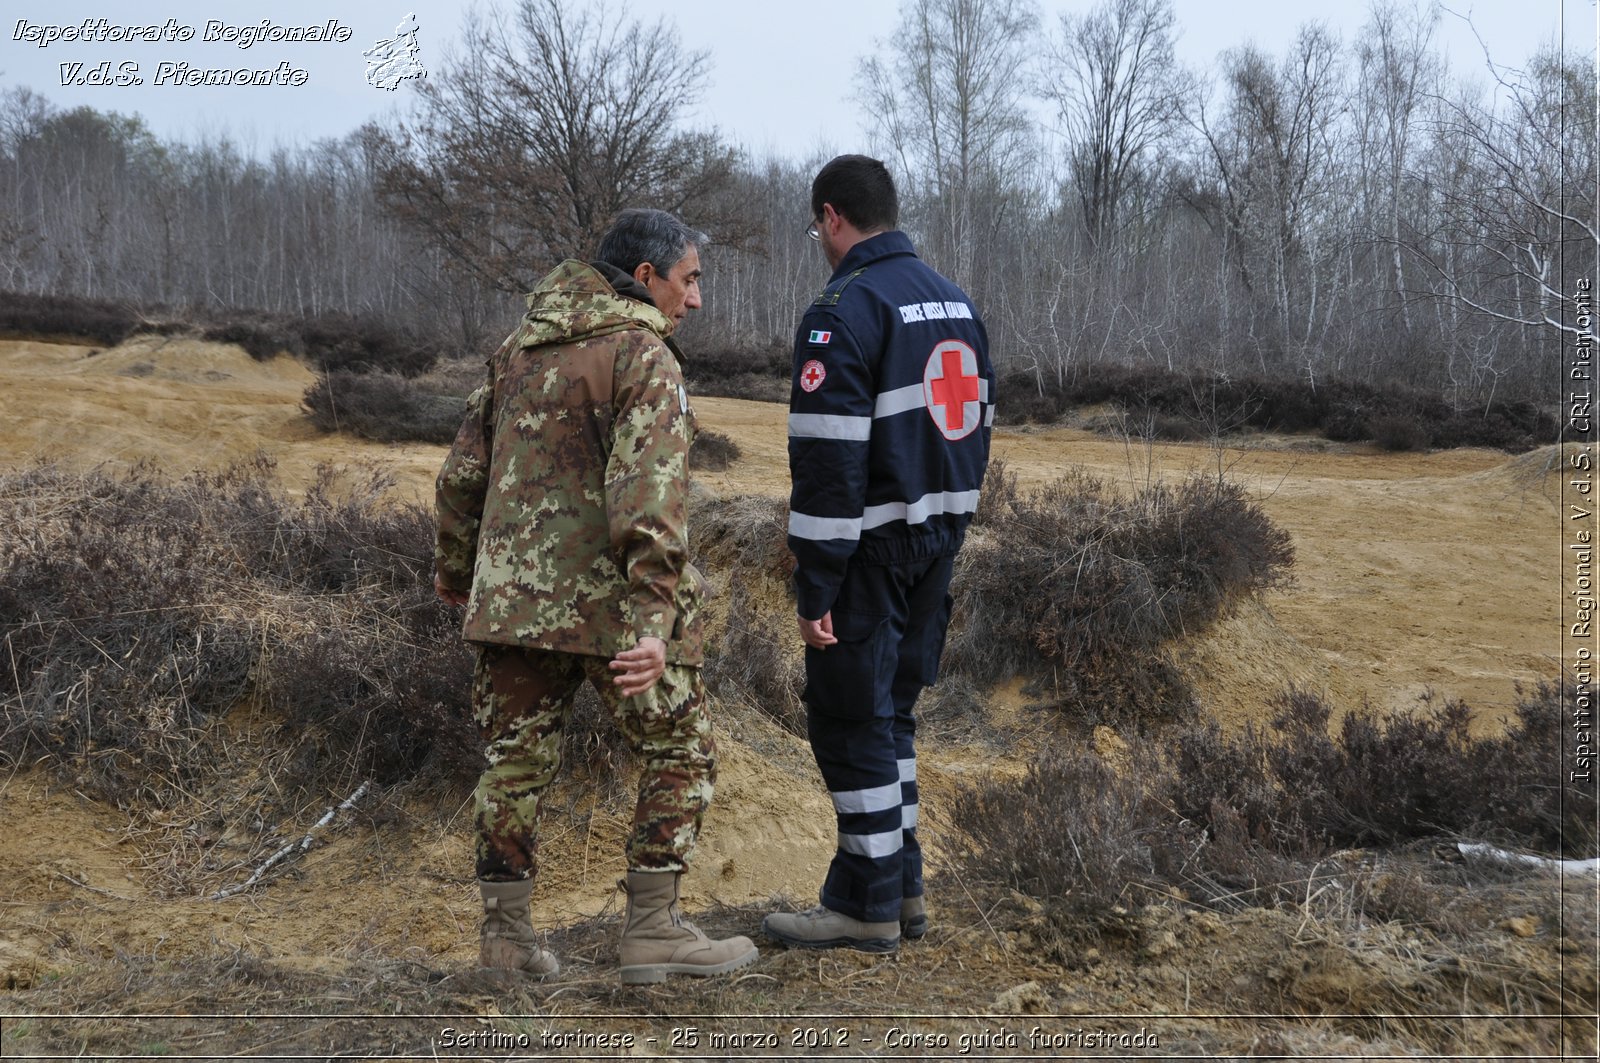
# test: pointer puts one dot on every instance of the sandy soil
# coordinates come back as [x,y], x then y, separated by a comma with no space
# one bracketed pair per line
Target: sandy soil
[1415,572]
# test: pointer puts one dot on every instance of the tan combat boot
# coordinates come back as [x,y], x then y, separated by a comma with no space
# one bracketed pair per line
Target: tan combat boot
[508,942]
[823,928]
[658,941]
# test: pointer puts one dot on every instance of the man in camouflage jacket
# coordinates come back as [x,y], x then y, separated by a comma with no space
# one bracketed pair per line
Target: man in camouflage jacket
[562,528]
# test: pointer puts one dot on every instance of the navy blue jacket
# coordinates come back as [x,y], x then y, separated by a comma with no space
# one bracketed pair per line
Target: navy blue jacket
[890,410]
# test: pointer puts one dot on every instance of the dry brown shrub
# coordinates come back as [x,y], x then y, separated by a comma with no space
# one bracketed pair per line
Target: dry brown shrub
[1300,788]
[1167,403]
[135,610]
[712,451]
[1070,833]
[1080,585]
[385,407]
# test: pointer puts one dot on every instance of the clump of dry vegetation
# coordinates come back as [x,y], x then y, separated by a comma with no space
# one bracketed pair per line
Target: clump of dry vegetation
[329,341]
[135,610]
[1381,781]
[757,373]
[1258,819]
[1194,404]
[388,407]
[1084,584]
[712,451]
[752,657]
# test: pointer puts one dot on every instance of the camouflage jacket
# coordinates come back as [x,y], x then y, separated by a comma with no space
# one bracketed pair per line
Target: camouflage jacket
[561,507]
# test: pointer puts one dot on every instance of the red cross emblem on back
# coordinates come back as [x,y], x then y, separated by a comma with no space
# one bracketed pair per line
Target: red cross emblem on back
[950,387]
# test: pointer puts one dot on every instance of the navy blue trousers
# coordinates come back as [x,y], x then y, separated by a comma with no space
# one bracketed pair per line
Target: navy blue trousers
[890,621]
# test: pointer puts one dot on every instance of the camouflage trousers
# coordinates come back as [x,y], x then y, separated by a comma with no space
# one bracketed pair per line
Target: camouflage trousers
[521,699]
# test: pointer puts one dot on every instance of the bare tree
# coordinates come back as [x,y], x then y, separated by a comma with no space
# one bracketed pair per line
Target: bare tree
[1273,156]
[1521,224]
[948,102]
[1115,83]
[1398,73]
[554,119]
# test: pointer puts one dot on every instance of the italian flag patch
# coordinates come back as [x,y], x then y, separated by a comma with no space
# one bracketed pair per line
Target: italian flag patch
[818,336]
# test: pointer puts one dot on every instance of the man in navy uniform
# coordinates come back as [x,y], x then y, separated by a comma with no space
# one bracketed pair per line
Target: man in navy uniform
[889,423]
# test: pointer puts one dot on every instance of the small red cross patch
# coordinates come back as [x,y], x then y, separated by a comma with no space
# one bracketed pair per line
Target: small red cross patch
[812,374]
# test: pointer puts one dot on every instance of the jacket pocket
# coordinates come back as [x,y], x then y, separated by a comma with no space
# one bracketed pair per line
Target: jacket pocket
[851,679]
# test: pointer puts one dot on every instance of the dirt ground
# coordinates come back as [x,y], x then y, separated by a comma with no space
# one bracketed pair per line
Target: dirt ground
[1415,572]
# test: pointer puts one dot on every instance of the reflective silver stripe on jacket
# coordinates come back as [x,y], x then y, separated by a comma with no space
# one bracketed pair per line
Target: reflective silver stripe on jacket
[929,505]
[829,426]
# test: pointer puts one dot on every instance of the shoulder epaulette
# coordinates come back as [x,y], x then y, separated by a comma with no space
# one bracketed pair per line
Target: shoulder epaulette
[830,296]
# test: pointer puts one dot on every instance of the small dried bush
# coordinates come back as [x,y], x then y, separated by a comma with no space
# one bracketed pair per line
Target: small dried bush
[134,610]
[999,492]
[1070,832]
[760,373]
[263,336]
[755,662]
[754,387]
[1299,788]
[712,451]
[1166,403]
[114,658]
[1395,433]
[742,542]
[1252,820]
[363,344]
[108,323]
[384,406]
[1082,584]
[748,534]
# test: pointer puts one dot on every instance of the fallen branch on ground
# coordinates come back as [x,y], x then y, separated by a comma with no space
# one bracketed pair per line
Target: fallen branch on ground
[289,850]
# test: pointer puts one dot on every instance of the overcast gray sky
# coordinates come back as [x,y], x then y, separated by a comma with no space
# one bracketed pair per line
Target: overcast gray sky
[781,78]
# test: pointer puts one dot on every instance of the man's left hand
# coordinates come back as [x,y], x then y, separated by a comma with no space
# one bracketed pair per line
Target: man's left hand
[446,595]
[640,667]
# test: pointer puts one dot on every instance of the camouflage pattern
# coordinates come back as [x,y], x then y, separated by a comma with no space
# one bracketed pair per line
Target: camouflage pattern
[562,505]
[521,699]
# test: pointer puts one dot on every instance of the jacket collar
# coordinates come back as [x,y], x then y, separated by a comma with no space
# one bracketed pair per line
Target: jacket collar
[864,253]
[622,283]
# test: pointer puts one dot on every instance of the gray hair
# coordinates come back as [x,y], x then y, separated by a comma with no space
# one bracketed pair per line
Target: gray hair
[639,235]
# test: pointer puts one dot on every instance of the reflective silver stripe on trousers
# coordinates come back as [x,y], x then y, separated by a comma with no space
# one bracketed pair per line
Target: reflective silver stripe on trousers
[908,817]
[873,799]
[916,512]
[805,526]
[872,845]
[829,426]
[908,769]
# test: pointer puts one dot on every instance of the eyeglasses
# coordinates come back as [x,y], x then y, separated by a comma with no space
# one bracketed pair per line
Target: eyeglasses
[813,232]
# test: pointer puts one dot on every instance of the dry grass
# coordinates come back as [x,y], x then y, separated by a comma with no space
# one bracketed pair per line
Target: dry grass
[136,612]
[1332,985]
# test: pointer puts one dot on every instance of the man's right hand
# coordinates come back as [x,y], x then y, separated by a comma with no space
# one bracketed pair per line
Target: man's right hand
[818,634]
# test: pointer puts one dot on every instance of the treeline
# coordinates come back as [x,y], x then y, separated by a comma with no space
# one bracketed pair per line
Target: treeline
[1349,209]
